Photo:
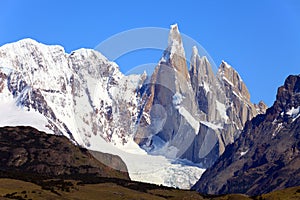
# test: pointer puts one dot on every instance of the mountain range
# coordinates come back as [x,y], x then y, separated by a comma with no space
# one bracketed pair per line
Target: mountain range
[168,127]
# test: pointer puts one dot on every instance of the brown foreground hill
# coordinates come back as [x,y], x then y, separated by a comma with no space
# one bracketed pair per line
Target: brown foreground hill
[35,165]
[117,190]
[28,154]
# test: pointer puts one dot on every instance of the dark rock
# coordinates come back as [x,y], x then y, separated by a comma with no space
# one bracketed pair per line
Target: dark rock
[27,150]
[266,156]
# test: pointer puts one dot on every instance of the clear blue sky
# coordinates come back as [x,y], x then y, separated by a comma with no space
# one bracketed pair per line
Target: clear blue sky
[260,39]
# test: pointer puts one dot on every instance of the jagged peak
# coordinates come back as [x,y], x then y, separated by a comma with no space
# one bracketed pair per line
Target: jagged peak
[194,51]
[224,63]
[28,43]
[174,40]
[86,52]
[226,69]
[174,27]
[261,107]
[200,64]
[25,41]
[231,77]
[288,95]
[174,53]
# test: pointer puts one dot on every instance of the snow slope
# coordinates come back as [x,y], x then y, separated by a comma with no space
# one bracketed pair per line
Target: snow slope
[11,115]
[150,168]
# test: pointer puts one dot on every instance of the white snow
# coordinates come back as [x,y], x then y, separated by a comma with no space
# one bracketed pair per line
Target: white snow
[189,118]
[206,87]
[151,168]
[237,95]
[161,147]
[228,81]
[222,110]
[6,70]
[226,64]
[11,115]
[244,152]
[278,128]
[211,125]
[195,51]
[174,26]
[294,113]
[175,45]
[177,99]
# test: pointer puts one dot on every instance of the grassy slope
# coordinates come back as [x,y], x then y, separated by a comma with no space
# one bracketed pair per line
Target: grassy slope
[57,189]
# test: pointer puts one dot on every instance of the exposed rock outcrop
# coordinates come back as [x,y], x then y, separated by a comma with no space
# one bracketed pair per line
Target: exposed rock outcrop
[266,156]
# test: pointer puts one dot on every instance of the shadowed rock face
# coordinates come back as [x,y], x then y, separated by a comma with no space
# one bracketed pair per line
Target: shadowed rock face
[27,150]
[266,156]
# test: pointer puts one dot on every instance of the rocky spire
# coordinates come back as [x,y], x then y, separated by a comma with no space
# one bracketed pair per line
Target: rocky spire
[231,78]
[240,109]
[174,54]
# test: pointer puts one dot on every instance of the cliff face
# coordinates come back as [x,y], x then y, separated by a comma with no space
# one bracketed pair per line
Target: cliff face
[266,155]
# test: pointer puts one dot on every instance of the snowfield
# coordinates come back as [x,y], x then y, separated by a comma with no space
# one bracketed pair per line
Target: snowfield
[150,168]
[11,115]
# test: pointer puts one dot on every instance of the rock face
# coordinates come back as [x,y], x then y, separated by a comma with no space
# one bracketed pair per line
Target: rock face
[169,103]
[28,151]
[266,155]
[192,114]
[240,108]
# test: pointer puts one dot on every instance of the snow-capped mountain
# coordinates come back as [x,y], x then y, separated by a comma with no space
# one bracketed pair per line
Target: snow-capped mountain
[148,120]
[77,93]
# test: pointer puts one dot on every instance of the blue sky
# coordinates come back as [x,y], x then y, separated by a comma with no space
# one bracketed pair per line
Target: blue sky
[260,39]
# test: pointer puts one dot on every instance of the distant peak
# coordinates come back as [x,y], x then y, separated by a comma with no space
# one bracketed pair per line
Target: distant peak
[226,64]
[28,43]
[174,27]
[28,40]
[228,70]
[174,36]
[195,51]
[174,53]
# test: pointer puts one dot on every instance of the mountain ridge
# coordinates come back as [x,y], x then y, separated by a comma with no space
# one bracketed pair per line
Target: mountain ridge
[266,155]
